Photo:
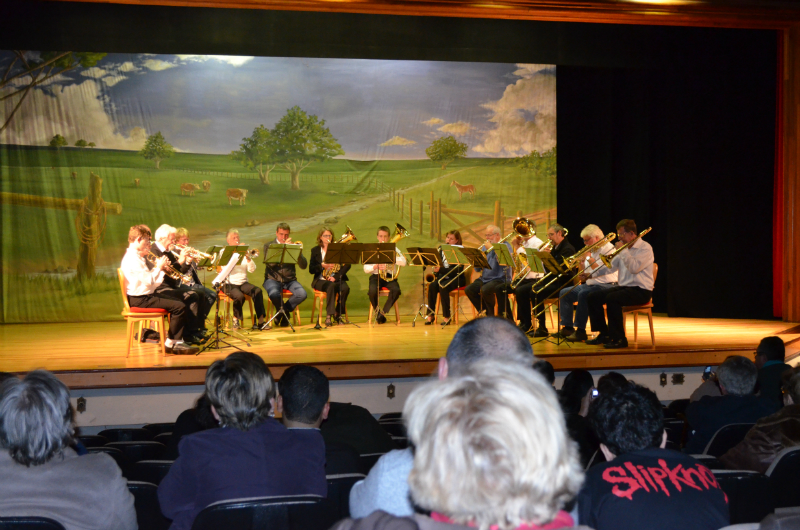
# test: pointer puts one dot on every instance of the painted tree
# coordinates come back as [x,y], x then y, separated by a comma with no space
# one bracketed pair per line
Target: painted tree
[91,144]
[81,143]
[543,163]
[301,139]
[257,153]
[58,141]
[446,149]
[24,72]
[156,148]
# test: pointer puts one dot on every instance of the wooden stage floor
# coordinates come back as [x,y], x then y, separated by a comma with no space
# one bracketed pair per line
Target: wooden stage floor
[92,355]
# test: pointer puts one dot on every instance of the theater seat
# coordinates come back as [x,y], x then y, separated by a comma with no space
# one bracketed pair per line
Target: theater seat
[29,523]
[726,438]
[152,471]
[750,495]
[126,435]
[783,473]
[148,510]
[138,451]
[257,513]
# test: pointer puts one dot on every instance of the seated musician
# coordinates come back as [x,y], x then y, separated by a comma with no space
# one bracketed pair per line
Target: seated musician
[283,276]
[333,282]
[595,276]
[635,287]
[182,238]
[560,248]
[376,282]
[237,287]
[443,275]
[143,278]
[522,292]
[197,305]
[493,283]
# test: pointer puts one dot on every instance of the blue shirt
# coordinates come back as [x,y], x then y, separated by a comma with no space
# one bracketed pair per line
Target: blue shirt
[496,271]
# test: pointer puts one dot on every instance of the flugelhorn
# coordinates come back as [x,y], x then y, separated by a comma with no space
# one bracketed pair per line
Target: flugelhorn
[388,274]
[347,237]
[170,270]
[191,252]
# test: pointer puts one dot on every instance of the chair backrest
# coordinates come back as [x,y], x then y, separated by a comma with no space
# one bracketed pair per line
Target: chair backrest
[395,428]
[783,473]
[274,513]
[29,523]
[92,440]
[159,428]
[335,507]
[138,451]
[123,285]
[118,456]
[368,460]
[339,487]
[391,417]
[726,437]
[750,495]
[152,471]
[148,510]
[127,435]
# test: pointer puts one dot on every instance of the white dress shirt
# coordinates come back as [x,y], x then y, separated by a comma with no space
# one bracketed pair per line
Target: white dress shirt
[604,275]
[238,275]
[534,243]
[141,279]
[399,260]
[635,266]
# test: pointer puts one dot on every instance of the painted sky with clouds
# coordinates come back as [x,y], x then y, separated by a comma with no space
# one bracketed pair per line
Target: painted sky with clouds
[375,109]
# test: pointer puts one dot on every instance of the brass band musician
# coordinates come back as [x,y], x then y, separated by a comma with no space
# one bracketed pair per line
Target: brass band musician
[493,283]
[376,282]
[237,287]
[283,276]
[560,248]
[523,292]
[182,238]
[332,284]
[445,276]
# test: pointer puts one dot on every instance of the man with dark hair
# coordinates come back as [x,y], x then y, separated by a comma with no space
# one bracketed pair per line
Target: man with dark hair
[283,276]
[643,485]
[738,404]
[546,369]
[390,272]
[769,358]
[611,382]
[560,248]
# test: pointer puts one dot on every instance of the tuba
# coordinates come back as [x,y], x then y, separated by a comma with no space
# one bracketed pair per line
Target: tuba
[347,237]
[392,273]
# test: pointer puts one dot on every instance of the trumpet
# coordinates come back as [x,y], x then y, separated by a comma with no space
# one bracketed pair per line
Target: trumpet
[347,237]
[388,274]
[191,252]
[170,271]
[252,253]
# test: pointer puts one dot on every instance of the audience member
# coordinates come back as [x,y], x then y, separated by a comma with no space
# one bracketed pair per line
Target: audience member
[252,455]
[196,419]
[43,476]
[491,451]
[355,426]
[770,435]
[737,404]
[576,396]
[546,369]
[769,359]
[303,402]
[644,485]
[611,382]
[386,486]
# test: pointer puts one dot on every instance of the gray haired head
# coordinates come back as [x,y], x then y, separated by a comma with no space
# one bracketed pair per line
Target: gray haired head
[240,388]
[36,421]
[488,337]
[738,375]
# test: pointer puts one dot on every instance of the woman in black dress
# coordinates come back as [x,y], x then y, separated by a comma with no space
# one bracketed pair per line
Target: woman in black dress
[445,274]
[335,283]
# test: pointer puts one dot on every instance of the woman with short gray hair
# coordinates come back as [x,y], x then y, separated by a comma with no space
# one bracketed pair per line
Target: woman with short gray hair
[40,475]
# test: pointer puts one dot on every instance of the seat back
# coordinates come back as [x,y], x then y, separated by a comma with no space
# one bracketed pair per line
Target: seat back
[123,285]
[257,513]
[138,451]
[118,456]
[29,523]
[159,428]
[126,435]
[92,440]
[339,487]
[148,510]
[335,507]
[152,471]
[726,437]
[750,496]
[783,473]
[368,460]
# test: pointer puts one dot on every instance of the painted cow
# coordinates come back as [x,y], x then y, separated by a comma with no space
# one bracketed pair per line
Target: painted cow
[236,193]
[189,188]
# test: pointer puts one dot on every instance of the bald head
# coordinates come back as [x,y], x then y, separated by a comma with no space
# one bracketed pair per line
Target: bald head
[488,337]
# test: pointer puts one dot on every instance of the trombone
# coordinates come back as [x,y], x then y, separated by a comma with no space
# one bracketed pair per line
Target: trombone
[386,274]
[450,279]
[547,247]
[611,255]
[347,237]
[573,260]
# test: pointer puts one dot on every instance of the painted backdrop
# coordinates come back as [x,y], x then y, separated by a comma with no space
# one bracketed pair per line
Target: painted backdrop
[92,143]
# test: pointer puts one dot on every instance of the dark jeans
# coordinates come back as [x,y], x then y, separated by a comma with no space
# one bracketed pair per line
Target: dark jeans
[237,293]
[614,299]
[175,306]
[207,299]
[523,294]
[483,295]
[331,289]
[435,290]
[375,283]
[275,292]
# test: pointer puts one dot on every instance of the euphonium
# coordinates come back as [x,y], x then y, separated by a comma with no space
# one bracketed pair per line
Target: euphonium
[170,271]
[524,229]
[389,274]
[347,237]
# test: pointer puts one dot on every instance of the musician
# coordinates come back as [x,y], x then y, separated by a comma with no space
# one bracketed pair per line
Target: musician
[635,267]
[493,283]
[522,292]
[144,278]
[595,276]
[282,276]
[560,248]
[198,306]
[376,282]
[182,238]
[444,275]
[335,284]
[237,287]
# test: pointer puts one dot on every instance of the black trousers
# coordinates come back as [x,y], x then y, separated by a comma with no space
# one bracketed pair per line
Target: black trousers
[524,295]
[175,306]
[483,294]
[196,305]
[550,292]
[331,289]
[207,299]
[614,299]
[435,290]
[237,293]
[375,283]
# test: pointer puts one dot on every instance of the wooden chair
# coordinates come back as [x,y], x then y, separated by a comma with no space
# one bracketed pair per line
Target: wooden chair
[160,317]
[285,295]
[226,309]
[384,291]
[646,309]
[319,298]
[455,303]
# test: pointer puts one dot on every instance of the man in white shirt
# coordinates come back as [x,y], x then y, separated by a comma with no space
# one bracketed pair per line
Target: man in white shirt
[635,267]
[143,278]
[237,287]
[376,282]
[523,292]
[595,276]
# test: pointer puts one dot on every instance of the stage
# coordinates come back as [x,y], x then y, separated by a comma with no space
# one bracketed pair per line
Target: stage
[92,355]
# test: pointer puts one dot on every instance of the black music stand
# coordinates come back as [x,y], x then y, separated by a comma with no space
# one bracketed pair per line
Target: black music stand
[208,263]
[424,257]
[341,254]
[377,254]
[232,255]
[282,253]
[552,266]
